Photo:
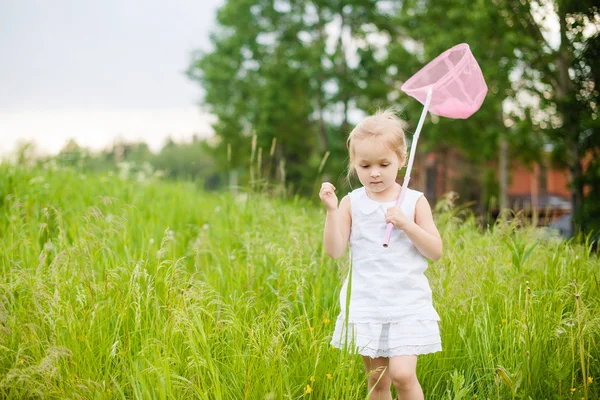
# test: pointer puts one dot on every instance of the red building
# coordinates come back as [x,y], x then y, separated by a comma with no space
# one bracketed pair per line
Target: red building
[535,189]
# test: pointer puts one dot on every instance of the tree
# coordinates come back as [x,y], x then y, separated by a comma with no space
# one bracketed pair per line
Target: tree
[539,92]
[256,82]
[293,71]
[564,80]
[489,133]
[190,160]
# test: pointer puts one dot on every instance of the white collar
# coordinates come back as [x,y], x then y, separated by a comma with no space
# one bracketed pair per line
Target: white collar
[367,205]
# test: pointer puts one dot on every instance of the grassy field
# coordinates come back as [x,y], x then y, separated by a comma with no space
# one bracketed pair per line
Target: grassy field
[126,288]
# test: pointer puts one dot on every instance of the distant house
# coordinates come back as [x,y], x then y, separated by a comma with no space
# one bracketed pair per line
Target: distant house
[543,189]
[540,188]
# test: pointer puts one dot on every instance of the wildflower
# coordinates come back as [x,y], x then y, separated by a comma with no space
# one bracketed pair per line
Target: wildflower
[113,350]
[332,347]
[490,355]
[326,320]
[308,389]
[503,320]
[21,361]
[49,246]
[312,329]
[590,379]
[475,395]
[312,378]
[573,389]
[329,377]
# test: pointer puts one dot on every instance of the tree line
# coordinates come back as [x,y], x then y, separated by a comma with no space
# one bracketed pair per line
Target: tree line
[295,75]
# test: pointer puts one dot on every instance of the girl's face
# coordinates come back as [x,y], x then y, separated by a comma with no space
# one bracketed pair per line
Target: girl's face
[376,166]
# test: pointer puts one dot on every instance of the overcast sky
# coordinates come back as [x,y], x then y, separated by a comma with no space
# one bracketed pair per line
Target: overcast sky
[95,70]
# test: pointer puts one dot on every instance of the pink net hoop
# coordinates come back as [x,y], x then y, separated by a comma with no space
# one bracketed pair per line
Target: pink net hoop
[457,83]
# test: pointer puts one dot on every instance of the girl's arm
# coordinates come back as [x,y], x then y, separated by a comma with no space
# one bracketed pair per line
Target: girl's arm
[337,229]
[422,231]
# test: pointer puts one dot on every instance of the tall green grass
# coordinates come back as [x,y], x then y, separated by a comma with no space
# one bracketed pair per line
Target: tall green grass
[119,288]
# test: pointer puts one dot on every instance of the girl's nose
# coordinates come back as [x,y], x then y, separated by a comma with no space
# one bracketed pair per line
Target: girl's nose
[374,173]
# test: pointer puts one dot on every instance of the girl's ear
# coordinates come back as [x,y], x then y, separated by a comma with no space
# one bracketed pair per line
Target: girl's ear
[402,164]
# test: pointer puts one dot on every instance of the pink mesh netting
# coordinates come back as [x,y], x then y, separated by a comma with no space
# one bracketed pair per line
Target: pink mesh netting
[457,84]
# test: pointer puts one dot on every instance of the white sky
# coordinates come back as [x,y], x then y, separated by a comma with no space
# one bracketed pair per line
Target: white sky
[97,70]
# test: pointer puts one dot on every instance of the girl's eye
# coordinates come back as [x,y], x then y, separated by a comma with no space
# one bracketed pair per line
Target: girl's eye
[384,165]
[364,166]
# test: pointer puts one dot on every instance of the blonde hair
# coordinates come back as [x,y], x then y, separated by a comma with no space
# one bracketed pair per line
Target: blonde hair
[384,125]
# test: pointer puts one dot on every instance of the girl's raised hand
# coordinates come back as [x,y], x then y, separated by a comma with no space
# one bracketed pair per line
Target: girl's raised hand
[328,197]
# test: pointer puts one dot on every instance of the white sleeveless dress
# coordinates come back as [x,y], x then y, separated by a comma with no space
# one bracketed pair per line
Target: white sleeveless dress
[390,309]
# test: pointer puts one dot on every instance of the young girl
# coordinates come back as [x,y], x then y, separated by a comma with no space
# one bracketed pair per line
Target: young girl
[391,318]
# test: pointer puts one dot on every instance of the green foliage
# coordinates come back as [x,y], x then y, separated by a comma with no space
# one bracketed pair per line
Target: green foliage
[177,161]
[433,26]
[459,389]
[557,75]
[282,70]
[273,74]
[184,161]
[519,251]
[121,288]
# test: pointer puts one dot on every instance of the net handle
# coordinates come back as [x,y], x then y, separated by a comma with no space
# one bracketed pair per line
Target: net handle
[411,159]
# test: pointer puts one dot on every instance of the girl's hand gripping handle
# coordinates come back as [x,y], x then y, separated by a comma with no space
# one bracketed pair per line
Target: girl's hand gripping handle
[390,226]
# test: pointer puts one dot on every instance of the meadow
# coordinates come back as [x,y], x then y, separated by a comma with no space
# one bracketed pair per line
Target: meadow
[117,287]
